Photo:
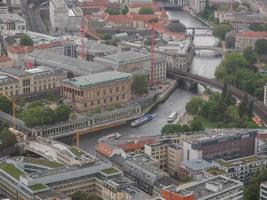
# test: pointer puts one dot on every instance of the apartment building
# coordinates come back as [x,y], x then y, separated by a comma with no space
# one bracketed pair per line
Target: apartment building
[30,84]
[64,15]
[263,191]
[100,90]
[242,21]
[174,159]
[241,169]
[218,187]
[247,39]
[223,143]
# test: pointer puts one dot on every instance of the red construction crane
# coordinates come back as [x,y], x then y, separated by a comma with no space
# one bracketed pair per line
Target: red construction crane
[152,58]
[82,35]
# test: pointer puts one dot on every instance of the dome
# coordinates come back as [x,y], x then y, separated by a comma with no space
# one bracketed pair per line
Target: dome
[175,26]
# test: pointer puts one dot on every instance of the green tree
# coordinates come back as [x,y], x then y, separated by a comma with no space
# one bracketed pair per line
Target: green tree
[250,55]
[196,125]
[146,11]
[243,106]
[125,10]
[62,113]
[25,40]
[231,115]
[207,11]
[113,11]
[261,47]
[7,138]
[221,30]
[258,27]
[140,84]
[194,106]
[106,36]
[5,105]
[174,128]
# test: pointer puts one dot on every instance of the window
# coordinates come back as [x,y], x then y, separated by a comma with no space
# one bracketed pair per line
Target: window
[98,93]
[26,82]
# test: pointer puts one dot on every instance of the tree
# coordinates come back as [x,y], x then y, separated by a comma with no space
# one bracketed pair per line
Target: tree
[106,36]
[221,30]
[261,47]
[62,113]
[194,106]
[196,125]
[207,11]
[258,27]
[146,11]
[25,40]
[243,106]
[5,105]
[140,84]
[113,11]
[7,138]
[250,55]
[125,10]
[174,128]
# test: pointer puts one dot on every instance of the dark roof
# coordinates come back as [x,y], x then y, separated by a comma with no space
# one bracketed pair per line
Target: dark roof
[175,26]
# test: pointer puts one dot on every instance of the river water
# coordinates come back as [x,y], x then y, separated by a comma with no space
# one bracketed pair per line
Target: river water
[204,64]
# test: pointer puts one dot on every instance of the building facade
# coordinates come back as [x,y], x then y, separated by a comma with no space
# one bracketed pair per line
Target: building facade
[247,39]
[100,90]
[263,191]
[241,169]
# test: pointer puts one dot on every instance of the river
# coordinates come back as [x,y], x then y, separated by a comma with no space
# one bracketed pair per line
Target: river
[204,64]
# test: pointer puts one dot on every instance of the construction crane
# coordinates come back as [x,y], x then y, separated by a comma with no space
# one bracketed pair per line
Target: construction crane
[13,109]
[152,59]
[77,138]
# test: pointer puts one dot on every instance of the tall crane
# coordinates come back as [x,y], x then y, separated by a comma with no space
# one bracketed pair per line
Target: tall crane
[13,108]
[77,138]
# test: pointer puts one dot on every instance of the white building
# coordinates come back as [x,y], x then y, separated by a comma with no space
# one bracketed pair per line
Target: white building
[265,94]
[10,22]
[64,15]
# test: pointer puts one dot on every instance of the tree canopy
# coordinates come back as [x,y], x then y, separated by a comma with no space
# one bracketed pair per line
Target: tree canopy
[5,105]
[221,30]
[140,84]
[43,115]
[250,55]
[146,11]
[261,47]
[7,138]
[194,106]
[258,27]
[26,40]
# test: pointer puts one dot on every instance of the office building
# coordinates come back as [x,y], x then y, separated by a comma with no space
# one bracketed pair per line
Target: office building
[218,187]
[194,168]
[174,159]
[100,90]
[65,16]
[242,20]
[223,143]
[241,169]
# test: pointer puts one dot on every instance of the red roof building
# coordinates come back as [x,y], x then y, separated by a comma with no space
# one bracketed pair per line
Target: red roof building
[248,39]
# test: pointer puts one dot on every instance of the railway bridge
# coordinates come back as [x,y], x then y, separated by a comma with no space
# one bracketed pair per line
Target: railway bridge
[259,108]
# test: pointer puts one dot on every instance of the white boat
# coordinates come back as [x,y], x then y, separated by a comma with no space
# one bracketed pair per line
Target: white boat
[172,116]
[112,136]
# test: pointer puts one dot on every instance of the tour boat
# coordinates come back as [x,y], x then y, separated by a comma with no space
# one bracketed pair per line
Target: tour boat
[172,116]
[142,120]
[112,136]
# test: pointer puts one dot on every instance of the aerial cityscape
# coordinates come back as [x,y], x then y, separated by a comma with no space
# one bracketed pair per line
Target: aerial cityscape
[133,99]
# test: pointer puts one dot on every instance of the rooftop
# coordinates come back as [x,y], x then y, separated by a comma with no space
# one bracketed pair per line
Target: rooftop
[196,164]
[98,78]
[110,171]
[239,161]
[12,170]
[252,34]
[44,162]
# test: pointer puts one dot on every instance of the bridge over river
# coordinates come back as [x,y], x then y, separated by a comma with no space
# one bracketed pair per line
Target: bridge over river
[259,108]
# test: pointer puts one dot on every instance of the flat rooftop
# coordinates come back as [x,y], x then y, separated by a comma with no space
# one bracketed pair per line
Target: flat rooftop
[239,161]
[196,164]
[97,79]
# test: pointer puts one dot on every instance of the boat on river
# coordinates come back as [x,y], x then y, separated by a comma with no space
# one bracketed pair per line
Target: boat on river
[112,136]
[142,120]
[172,116]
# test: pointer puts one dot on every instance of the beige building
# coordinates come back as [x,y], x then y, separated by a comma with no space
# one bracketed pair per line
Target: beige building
[175,157]
[101,90]
[248,39]
[30,84]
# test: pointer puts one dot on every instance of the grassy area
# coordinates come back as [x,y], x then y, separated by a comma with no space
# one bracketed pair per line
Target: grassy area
[239,161]
[77,152]
[206,123]
[37,187]
[215,171]
[43,162]
[110,171]
[12,170]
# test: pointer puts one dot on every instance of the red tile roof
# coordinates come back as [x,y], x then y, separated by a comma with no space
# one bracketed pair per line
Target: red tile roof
[118,18]
[144,18]
[253,34]
[20,49]
[4,58]
[104,149]
[136,144]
